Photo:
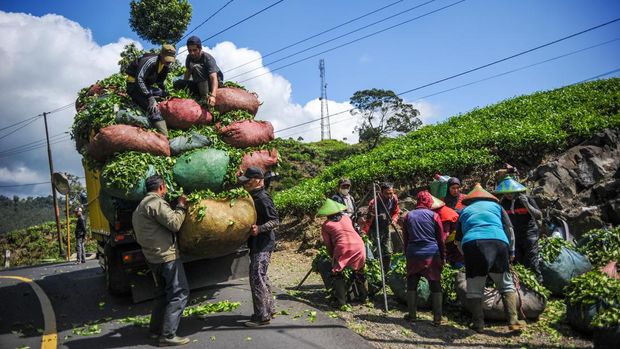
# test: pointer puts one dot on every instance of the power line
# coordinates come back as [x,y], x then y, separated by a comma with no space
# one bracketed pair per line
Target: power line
[34,147]
[23,185]
[336,38]
[237,23]
[205,21]
[21,122]
[31,120]
[354,41]
[17,129]
[599,75]
[19,147]
[314,36]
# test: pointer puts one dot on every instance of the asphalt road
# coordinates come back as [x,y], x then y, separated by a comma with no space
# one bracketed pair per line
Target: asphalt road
[41,306]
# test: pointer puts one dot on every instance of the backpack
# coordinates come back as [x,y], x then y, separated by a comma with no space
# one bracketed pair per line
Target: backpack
[132,68]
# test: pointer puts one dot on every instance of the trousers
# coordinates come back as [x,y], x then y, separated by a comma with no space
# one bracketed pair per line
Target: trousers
[171,293]
[262,299]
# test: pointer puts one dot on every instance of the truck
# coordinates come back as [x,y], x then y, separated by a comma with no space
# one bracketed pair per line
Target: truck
[120,256]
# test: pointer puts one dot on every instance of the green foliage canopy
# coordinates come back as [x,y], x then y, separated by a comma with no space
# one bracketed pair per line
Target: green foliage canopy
[160,21]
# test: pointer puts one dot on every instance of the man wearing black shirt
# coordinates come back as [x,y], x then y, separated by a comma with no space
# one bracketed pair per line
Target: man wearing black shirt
[261,244]
[202,68]
[80,236]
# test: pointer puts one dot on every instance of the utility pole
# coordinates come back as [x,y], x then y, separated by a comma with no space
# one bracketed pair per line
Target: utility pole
[55,202]
[325,124]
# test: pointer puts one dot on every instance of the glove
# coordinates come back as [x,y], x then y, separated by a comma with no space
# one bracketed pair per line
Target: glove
[159,92]
[152,108]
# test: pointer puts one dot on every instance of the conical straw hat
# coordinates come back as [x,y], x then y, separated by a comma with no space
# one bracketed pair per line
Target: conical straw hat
[478,193]
[509,185]
[437,204]
[330,207]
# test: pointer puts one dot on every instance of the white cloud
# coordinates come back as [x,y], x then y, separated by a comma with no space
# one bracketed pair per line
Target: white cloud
[20,175]
[429,113]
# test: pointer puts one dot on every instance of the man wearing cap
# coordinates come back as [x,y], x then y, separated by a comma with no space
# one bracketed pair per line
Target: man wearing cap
[150,70]
[261,243]
[344,197]
[80,236]
[206,76]
[523,212]
[346,249]
[388,212]
[156,225]
[486,238]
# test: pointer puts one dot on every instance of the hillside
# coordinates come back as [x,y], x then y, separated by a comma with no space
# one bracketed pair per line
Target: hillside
[520,131]
[18,213]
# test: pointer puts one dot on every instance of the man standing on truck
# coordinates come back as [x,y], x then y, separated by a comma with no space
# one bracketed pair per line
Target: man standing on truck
[80,236]
[261,243]
[142,74]
[202,68]
[156,224]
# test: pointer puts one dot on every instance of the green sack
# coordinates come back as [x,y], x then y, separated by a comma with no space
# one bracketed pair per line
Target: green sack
[397,281]
[135,193]
[106,204]
[132,117]
[182,144]
[201,169]
[566,266]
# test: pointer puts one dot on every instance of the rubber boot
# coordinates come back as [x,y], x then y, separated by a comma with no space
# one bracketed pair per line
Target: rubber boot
[510,304]
[362,290]
[412,306]
[386,264]
[477,315]
[437,300]
[161,127]
[340,291]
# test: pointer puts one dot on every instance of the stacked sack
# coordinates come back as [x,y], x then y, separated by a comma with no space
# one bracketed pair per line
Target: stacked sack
[205,151]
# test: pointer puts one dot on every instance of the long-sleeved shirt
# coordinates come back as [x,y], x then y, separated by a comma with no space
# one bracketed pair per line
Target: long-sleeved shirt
[266,219]
[423,234]
[150,71]
[344,244]
[155,224]
[388,211]
[80,227]
[483,220]
[522,211]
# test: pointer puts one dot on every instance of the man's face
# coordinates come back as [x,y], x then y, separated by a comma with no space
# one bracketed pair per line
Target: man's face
[194,51]
[387,193]
[252,184]
[455,189]
[508,196]
[163,189]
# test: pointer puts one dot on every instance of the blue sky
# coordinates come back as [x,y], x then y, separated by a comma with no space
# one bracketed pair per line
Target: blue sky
[464,36]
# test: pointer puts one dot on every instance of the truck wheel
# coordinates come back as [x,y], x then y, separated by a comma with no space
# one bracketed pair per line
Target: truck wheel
[116,280]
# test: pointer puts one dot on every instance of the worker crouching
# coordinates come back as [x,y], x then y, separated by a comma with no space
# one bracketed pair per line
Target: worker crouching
[345,248]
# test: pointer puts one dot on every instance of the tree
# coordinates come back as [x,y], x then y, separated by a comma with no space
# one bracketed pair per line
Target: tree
[382,114]
[160,21]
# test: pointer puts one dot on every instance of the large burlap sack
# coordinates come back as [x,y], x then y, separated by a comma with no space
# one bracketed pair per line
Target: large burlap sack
[201,169]
[263,159]
[182,144]
[230,98]
[247,133]
[215,228]
[531,303]
[566,266]
[134,193]
[182,113]
[132,117]
[121,138]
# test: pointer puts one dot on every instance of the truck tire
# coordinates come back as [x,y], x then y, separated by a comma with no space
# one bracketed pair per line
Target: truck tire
[116,281]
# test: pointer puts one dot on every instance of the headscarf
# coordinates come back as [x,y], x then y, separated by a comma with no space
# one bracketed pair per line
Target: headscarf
[425,199]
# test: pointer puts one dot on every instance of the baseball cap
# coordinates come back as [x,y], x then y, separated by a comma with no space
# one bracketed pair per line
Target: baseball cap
[344,181]
[250,173]
[168,52]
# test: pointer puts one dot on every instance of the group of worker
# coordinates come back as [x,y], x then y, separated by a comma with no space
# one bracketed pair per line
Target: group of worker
[478,231]
[156,224]
[146,76]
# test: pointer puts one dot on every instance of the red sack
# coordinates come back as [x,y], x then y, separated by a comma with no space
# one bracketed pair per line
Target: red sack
[230,98]
[206,117]
[263,159]
[247,133]
[181,113]
[121,138]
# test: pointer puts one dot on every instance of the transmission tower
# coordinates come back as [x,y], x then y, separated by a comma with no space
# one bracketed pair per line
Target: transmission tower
[325,128]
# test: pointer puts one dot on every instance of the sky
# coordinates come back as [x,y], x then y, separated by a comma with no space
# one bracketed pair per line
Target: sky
[51,49]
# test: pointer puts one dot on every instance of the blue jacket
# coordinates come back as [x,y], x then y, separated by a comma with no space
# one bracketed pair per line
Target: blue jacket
[485,220]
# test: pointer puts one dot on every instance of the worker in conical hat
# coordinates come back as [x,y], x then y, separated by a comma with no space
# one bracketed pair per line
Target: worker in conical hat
[345,247]
[523,212]
[486,237]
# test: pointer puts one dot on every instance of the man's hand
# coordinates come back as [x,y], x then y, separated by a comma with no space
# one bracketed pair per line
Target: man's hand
[182,201]
[152,108]
[254,230]
[211,100]
[512,259]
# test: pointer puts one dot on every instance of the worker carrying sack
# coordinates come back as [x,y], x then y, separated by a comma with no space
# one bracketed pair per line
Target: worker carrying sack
[201,169]
[193,141]
[230,98]
[182,114]
[247,133]
[121,138]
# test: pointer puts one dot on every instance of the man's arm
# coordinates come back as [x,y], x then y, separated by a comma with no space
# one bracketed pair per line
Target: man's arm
[508,229]
[169,218]
[531,206]
[144,70]
[272,216]
[214,86]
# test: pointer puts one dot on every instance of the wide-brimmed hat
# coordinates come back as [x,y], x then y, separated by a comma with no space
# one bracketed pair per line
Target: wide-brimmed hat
[478,193]
[509,185]
[330,207]
[437,204]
